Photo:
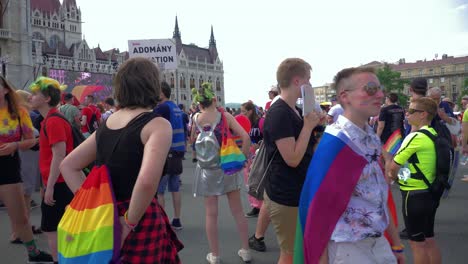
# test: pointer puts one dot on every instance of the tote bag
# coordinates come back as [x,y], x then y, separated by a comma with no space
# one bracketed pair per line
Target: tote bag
[89,231]
[258,172]
[232,159]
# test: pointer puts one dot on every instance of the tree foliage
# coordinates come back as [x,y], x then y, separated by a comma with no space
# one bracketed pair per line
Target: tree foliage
[392,82]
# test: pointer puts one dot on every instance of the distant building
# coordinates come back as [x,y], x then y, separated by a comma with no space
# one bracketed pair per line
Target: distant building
[447,73]
[52,44]
[324,93]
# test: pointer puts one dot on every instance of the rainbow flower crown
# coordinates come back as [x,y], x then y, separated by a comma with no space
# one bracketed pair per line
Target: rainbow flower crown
[43,84]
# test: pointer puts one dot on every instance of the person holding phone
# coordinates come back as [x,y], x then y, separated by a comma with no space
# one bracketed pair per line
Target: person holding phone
[288,142]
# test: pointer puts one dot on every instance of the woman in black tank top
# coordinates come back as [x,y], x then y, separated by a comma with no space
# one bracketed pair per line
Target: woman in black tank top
[133,143]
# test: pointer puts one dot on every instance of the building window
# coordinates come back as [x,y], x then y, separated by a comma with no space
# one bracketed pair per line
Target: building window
[192,82]
[431,80]
[182,82]
[54,40]
[408,73]
[218,84]
[200,81]
[431,71]
[172,80]
[420,72]
[442,70]
[442,79]
[454,88]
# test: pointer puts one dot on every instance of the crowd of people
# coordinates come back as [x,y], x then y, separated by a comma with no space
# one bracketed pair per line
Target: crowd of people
[362,140]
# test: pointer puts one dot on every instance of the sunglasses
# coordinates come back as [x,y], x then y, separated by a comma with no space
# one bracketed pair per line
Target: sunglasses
[371,88]
[412,111]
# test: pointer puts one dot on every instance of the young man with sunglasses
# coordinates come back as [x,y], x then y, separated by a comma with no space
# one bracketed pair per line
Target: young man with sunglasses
[350,203]
[419,206]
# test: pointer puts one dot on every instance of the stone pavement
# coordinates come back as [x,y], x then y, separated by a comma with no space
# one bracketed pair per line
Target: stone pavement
[451,227]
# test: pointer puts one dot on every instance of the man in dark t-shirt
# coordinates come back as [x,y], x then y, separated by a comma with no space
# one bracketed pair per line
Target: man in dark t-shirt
[391,118]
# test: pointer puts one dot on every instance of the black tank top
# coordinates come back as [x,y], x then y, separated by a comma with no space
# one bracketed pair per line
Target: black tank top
[124,162]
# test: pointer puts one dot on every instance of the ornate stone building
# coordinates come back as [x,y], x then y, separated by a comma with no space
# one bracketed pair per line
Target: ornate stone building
[52,44]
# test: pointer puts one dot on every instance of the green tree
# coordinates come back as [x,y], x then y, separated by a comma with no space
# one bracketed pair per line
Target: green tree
[392,82]
[464,91]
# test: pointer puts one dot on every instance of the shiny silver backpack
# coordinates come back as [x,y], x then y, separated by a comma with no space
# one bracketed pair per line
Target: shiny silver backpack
[207,146]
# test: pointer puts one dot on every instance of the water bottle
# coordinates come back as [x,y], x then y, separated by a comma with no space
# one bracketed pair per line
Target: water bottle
[404,174]
[464,160]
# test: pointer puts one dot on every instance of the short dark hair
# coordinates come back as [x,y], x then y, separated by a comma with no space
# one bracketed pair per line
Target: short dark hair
[137,84]
[341,77]
[53,93]
[91,97]
[166,89]
[110,101]
[393,97]
[67,96]
[419,86]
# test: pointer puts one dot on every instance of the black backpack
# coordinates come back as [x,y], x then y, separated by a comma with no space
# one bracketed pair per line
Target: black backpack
[93,123]
[442,130]
[444,162]
[78,137]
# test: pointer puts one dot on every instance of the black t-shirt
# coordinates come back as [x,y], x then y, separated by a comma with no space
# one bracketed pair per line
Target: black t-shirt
[393,116]
[284,183]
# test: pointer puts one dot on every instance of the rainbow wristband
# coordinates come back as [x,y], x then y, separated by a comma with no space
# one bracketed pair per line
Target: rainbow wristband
[130,225]
[398,249]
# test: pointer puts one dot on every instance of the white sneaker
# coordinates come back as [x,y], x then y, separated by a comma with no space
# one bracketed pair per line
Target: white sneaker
[212,259]
[244,254]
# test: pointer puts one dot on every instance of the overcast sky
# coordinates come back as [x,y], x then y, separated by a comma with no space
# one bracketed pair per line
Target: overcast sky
[254,36]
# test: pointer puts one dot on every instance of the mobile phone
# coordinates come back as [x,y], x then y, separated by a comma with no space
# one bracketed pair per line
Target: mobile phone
[308,99]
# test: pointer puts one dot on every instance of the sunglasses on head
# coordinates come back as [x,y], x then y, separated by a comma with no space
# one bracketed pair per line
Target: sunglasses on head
[412,111]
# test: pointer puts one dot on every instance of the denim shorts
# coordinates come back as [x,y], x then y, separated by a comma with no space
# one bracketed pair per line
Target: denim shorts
[170,181]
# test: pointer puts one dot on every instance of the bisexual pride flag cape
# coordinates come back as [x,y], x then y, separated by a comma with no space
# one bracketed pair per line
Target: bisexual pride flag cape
[332,176]
[89,231]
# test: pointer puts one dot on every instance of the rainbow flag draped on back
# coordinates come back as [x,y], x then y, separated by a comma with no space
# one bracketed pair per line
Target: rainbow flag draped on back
[393,142]
[326,193]
[89,231]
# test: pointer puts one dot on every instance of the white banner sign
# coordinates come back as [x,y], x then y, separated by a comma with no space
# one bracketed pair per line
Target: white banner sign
[160,51]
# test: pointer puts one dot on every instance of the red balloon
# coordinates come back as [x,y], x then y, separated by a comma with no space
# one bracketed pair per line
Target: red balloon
[244,122]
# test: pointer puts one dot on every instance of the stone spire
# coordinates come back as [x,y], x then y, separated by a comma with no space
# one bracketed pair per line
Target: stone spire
[212,46]
[176,36]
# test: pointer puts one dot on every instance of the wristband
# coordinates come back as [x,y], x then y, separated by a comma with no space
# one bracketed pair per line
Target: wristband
[398,249]
[130,225]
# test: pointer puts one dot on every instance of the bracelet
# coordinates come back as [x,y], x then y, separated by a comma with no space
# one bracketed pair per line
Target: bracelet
[398,249]
[132,226]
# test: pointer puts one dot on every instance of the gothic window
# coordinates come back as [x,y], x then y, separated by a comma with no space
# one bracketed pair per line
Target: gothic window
[192,81]
[172,80]
[37,35]
[200,81]
[1,15]
[218,84]
[182,81]
[54,41]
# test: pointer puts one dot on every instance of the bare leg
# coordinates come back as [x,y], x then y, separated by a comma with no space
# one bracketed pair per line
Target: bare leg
[263,222]
[237,212]
[211,223]
[52,239]
[161,200]
[433,250]
[12,197]
[177,203]
[420,255]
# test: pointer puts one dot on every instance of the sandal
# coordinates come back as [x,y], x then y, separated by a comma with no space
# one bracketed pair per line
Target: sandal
[16,241]
[36,231]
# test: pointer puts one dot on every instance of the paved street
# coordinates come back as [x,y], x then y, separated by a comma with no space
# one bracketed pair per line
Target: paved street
[451,228]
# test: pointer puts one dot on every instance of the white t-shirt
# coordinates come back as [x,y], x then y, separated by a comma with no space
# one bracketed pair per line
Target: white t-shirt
[335,112]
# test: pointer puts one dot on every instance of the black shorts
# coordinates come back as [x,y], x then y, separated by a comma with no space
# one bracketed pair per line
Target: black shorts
[419,210]
[51,215]
[10,167]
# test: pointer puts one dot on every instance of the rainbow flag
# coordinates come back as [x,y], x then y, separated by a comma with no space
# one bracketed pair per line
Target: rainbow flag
[326,193]
[89,231]
[393,142]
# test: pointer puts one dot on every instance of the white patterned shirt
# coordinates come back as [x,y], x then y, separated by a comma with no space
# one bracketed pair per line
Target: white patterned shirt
[367,213]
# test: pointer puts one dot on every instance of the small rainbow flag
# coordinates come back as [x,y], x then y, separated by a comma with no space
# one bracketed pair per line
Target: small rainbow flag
[89,231]
[393,142]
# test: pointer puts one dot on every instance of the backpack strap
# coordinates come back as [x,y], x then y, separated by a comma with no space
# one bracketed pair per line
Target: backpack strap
[51,115]
[418,170]
[213,126]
